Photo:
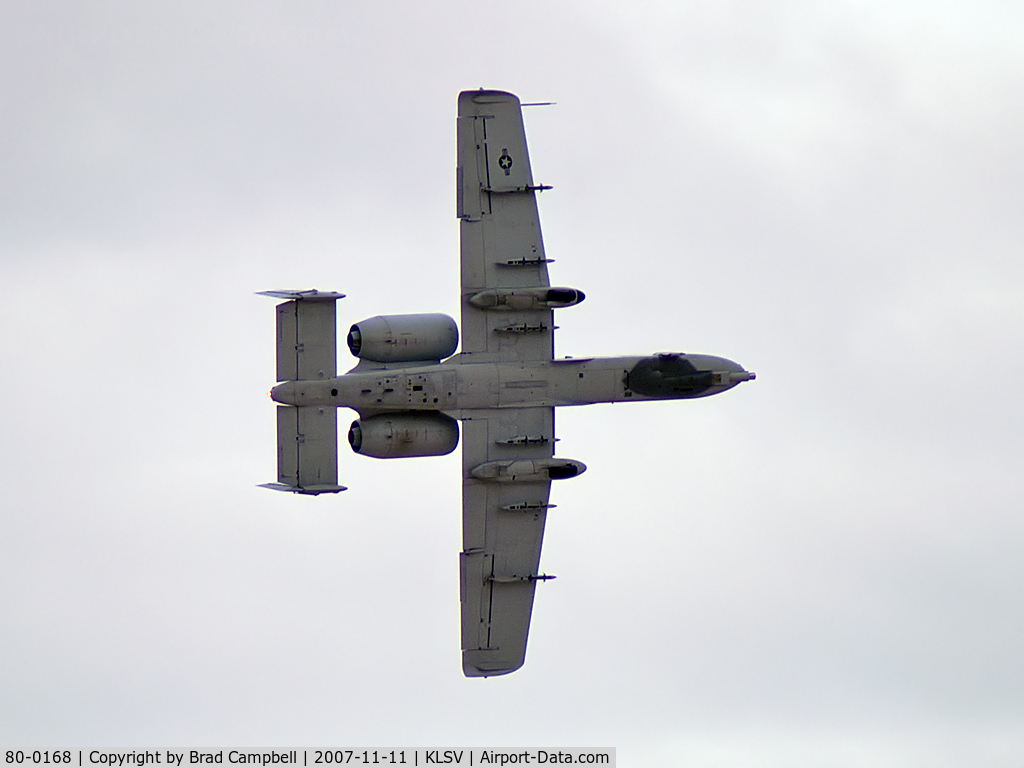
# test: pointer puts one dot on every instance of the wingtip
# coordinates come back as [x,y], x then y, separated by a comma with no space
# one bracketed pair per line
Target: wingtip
[485,662]
[470,671]
[487,96]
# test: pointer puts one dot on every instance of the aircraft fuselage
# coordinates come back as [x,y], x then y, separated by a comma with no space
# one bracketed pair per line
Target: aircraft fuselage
[460,384]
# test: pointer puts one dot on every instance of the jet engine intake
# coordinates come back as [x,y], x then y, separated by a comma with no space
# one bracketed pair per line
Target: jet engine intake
[404,435]
[404,338]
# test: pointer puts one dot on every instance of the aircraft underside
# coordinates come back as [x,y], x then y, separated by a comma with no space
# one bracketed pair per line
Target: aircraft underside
[411,390]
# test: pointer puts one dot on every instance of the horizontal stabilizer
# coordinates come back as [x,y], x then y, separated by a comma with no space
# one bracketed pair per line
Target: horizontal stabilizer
[307,450]
[307,335]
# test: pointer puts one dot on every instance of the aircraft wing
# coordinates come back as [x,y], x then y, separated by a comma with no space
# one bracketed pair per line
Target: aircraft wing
[505,314]
[502,530]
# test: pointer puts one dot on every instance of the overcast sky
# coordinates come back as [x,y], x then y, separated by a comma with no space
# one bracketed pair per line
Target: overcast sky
[824,567]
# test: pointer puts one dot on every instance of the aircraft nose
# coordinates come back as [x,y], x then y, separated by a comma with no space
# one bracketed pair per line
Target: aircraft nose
[736,371]
[727,372]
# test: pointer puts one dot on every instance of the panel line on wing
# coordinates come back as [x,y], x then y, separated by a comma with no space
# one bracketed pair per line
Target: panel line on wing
[487,159]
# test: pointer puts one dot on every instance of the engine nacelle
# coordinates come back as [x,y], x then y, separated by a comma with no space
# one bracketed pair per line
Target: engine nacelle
[404,435]
[404,338]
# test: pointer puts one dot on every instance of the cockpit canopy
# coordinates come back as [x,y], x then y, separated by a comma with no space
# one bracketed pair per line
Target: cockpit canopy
[671,375]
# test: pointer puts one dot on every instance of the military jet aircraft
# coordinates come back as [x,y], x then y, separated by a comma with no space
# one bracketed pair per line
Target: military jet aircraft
[411,390]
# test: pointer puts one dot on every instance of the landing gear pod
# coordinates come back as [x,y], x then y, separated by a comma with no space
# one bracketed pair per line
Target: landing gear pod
[404,338]
[528,470]
[527,298]
[404,435]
